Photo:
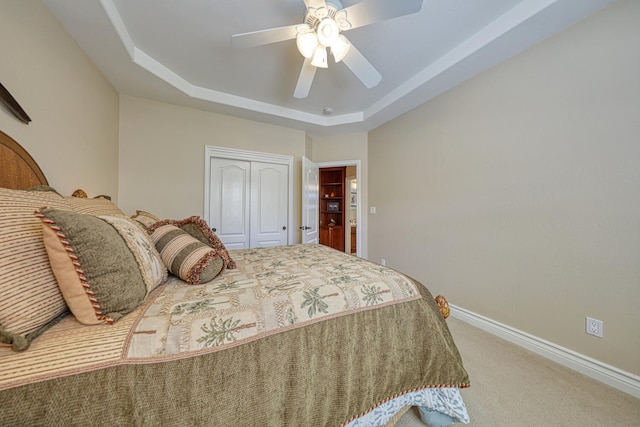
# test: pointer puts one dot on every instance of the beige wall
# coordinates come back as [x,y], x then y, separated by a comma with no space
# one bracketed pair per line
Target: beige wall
[344,148]
[517,194]
[74,130]
[162,155]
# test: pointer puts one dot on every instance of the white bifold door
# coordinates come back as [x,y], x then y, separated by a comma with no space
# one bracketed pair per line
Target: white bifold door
[249,202]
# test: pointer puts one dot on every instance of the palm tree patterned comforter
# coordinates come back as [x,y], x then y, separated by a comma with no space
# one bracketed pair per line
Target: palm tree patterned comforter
[371,336]
[273,290]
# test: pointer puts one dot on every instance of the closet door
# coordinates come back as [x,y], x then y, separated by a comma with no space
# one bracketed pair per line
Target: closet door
[229,201]
[269,204]
[248,197]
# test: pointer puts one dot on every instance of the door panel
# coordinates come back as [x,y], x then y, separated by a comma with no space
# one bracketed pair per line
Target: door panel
[310,188]
[229,208]
[269,204]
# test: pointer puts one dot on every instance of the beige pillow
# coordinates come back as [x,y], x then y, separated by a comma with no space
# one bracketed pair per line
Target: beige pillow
[30,300]
[95,206]
[145,219]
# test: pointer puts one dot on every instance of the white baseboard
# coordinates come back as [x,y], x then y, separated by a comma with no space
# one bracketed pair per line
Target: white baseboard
[610,375]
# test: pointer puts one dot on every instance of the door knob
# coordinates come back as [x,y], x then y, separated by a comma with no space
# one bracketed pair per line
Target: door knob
[284,227]
[304,227]
[214,229]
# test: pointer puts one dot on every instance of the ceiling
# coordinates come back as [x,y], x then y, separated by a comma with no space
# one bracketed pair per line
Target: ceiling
[180,52]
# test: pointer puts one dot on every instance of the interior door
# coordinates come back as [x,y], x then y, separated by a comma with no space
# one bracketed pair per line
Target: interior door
[310,189]
[269,204]
[229,203]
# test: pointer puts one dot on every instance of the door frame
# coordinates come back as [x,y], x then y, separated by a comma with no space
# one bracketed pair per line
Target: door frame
[357,164]
[211,151]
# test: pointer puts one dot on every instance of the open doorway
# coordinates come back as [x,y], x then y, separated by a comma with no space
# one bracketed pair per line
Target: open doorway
[352,203]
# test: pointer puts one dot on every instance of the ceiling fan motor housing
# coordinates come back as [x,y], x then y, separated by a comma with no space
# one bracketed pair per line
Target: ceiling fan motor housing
[314,16]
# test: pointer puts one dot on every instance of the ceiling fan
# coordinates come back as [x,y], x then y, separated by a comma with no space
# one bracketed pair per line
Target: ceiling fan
[321,28]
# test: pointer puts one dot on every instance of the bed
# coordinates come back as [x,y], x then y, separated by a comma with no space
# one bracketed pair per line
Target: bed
[103,320]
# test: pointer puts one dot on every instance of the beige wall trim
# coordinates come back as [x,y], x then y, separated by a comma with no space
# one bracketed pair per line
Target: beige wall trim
[252,156]
[610,375]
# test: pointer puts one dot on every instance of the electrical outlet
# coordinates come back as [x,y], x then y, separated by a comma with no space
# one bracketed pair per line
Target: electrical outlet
[594,327]
[383,261]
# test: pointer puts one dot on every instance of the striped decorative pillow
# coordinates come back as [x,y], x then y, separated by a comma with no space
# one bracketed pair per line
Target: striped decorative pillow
[198,228]
[30,300]
[185,256]
[96,206]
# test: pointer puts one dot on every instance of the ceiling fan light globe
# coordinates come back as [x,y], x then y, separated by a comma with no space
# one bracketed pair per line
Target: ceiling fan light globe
[320,57]
[307,44]
[328,32]
[340,48]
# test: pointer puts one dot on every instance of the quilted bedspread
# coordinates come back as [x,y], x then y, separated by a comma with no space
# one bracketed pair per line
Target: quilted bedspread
[276,289]
[295,336]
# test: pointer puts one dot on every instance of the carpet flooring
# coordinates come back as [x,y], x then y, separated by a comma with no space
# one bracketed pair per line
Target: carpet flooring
[513,387]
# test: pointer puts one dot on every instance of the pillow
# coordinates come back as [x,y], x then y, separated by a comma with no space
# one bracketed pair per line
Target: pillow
[96,206]
[153,270]
[145,219]
[43,188]
[185,256]
[198,228]
[30,300]
[99,263]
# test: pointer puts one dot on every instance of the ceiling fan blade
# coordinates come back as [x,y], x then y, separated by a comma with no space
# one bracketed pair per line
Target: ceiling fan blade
[371,11]
[262,37]
[362,68]
[307,73]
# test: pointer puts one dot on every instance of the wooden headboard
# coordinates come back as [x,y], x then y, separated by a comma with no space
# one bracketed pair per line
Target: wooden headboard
[18,170]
